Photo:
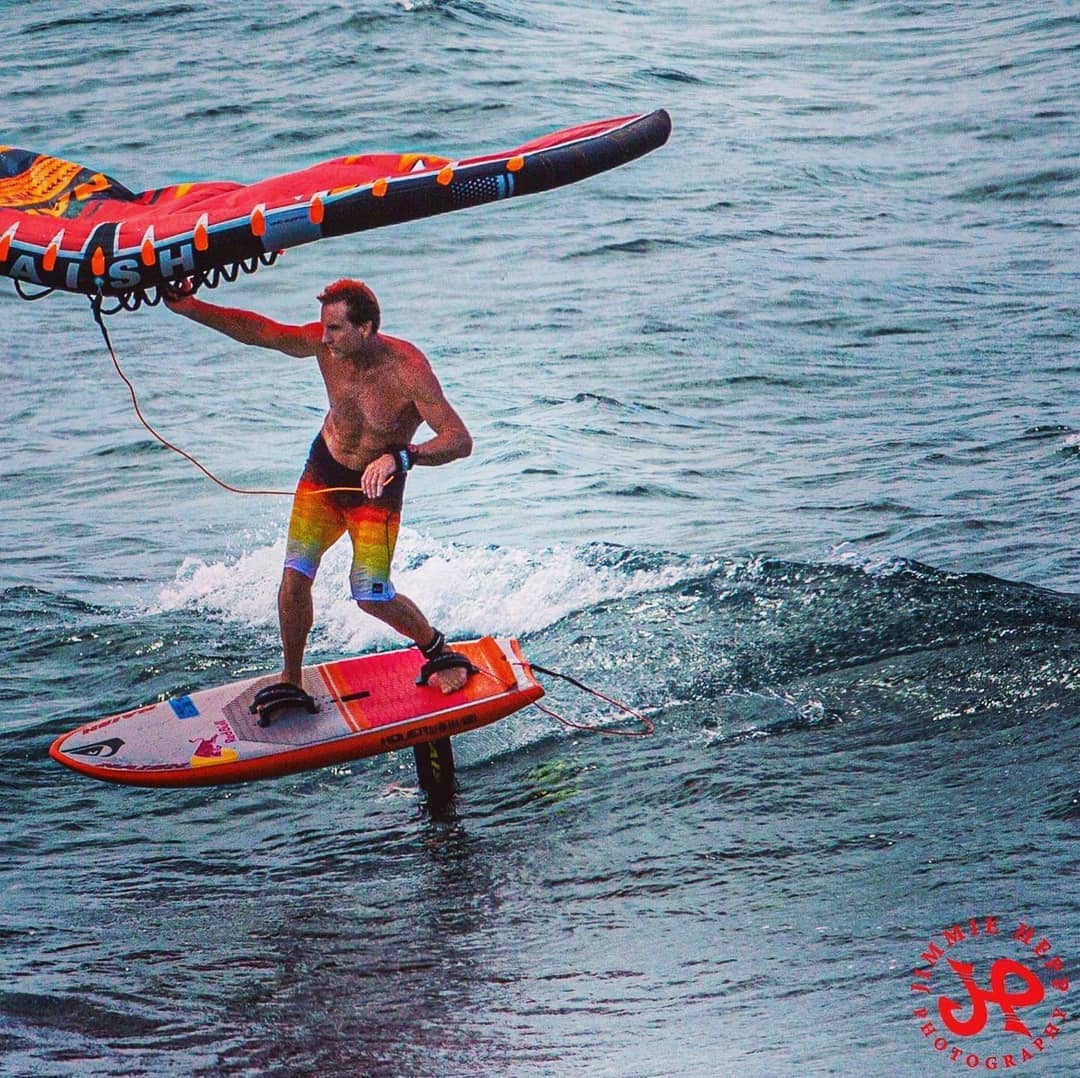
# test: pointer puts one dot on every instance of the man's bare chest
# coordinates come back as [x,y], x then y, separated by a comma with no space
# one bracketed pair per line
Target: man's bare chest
[365,402]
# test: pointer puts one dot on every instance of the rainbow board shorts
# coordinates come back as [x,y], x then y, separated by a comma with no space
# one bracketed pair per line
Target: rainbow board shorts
[319,520]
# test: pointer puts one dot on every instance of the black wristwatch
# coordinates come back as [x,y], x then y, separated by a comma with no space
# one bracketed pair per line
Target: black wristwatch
[404,457]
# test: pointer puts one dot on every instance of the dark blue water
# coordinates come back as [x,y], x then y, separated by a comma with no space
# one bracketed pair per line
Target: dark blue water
[777,437]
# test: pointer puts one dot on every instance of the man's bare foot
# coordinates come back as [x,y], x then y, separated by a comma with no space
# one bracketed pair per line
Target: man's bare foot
[449,681]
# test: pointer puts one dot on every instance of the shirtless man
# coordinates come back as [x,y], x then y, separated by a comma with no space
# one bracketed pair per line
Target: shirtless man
[380,389]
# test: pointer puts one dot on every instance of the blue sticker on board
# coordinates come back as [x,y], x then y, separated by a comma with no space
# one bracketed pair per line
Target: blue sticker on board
[184,707]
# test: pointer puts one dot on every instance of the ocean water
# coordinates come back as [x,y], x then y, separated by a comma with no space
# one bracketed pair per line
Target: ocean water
[777,438]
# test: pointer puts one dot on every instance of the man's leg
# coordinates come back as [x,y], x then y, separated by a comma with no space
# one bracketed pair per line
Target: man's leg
[295,615]
[373,529]
[402,615]
[315,525]
[405,617]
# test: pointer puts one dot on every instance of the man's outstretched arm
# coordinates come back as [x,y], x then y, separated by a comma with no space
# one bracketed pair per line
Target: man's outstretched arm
[247,327]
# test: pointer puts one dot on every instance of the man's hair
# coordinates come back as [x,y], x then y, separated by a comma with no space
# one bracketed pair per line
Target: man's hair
[360,303]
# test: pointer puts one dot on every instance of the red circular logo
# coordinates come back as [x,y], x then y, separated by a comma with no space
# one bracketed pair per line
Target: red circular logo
[990,997]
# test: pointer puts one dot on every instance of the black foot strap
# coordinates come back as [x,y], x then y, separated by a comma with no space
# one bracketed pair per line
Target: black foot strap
[446,660]
[274,698]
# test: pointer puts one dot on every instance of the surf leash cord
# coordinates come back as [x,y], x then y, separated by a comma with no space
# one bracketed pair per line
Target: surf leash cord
[647,725]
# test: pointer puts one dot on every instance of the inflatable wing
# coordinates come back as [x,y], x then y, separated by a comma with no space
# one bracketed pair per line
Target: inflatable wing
[68,227]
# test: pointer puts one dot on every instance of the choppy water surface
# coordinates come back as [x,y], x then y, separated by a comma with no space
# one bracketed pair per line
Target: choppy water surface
[777,436]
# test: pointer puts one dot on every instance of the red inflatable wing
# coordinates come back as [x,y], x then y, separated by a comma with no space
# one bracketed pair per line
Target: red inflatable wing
[68,227]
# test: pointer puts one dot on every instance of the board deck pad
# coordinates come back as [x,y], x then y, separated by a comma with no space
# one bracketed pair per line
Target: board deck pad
[367,705]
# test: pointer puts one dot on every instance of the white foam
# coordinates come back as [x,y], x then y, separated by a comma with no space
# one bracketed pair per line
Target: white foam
[873,565]
[465,590]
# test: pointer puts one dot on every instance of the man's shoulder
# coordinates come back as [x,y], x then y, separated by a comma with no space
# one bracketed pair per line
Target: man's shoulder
[402,349]
[411,363]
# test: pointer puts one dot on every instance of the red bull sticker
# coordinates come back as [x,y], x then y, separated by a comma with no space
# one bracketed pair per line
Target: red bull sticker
[217,749]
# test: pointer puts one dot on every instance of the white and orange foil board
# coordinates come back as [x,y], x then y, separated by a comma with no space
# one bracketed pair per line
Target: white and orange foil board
[367,705]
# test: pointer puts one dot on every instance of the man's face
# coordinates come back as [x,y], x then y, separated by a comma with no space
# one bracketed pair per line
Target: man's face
[341,336]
